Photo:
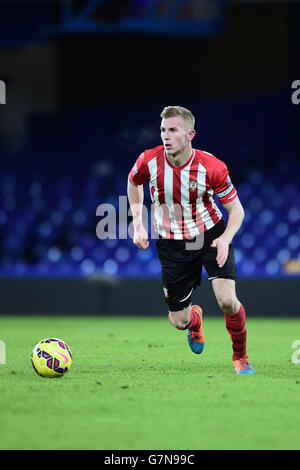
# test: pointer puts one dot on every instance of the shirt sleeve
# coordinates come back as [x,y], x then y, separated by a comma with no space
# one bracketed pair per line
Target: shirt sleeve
[139,173]
[221,184]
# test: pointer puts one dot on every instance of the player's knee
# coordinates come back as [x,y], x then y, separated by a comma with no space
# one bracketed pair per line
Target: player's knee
[179,320]
[228,304]
[180,325]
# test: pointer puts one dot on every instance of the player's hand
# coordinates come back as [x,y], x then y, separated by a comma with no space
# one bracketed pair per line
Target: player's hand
[222,246]
[140,238]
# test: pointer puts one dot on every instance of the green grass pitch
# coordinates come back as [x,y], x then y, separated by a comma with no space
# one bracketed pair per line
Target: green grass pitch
[135,384]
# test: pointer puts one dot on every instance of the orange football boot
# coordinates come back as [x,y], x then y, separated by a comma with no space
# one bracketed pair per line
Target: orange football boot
[242,366]
[196,339]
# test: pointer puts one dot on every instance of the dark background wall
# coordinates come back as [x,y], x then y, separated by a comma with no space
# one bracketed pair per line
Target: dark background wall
[136,297]
[256,52]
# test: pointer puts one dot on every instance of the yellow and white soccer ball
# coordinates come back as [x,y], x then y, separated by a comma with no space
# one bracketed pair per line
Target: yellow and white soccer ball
[51,357]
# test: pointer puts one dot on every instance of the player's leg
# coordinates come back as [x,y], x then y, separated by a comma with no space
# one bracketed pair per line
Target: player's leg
[235,321]
[225,293]
[182,314]
[180,319]
[223,282]
[234,314]
[190,319]
[180,275]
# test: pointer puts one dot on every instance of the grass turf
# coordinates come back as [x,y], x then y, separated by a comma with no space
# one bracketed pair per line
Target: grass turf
[135,384]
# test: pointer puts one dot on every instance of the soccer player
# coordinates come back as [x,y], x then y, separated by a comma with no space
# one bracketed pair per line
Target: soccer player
[191,230]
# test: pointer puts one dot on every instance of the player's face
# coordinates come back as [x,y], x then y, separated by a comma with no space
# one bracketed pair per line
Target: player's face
[175,135]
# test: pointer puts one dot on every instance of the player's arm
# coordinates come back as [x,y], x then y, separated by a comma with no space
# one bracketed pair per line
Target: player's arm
[235,218]
[135,195]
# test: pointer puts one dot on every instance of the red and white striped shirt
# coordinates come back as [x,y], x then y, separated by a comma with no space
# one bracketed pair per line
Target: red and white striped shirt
[182,197]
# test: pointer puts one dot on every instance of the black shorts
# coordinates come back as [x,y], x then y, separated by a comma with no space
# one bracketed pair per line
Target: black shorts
[182,268]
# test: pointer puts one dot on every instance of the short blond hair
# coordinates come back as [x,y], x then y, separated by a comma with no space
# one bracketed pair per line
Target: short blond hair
[172,111]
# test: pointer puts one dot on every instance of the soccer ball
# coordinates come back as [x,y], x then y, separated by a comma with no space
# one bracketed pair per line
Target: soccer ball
[51,357]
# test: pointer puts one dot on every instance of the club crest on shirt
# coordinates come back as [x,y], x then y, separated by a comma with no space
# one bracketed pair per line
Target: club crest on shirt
[166,292]
[193,185]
